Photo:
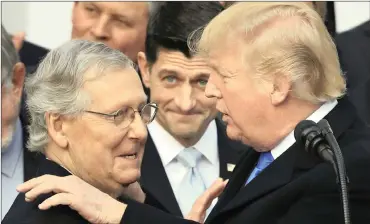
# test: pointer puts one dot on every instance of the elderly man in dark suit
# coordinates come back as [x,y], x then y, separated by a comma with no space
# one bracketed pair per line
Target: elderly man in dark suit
[275,65]
[80,92]
[354,54]
[17,163]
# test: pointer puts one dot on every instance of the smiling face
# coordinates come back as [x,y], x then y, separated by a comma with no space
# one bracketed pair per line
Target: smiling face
[177,85]
[120,25]
[101,152]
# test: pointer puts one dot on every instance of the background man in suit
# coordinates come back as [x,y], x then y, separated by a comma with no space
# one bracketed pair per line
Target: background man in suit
[354,51]
[185,122]
[80,92]
[120,25]
[276,65]
[17,163]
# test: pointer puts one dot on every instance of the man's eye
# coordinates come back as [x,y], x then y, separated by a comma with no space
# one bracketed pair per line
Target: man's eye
[203,82]
[170,79]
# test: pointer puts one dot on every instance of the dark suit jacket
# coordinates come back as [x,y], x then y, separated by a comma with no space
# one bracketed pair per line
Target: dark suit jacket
[295,188]
[31,55]
[23,212]
[154,180]
[354,54]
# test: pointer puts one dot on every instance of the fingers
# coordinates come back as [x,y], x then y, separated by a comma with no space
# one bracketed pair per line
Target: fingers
[44,188]
[198,211]
[45,184]
[57,199]
[28,185]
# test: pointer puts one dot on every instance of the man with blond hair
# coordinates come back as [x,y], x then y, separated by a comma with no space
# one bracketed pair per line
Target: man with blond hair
[275,65]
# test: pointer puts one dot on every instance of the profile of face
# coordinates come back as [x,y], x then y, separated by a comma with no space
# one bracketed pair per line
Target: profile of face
[120,25]
[244,104]
[177,85]
[106,151]
[10,103]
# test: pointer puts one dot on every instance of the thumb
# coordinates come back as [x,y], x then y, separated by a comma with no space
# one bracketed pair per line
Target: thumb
[18,40]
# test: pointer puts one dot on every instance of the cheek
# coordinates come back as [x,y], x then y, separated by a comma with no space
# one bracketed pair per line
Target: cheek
[125,38]
[8,112]
[208,104]
[162,96]
[80,25]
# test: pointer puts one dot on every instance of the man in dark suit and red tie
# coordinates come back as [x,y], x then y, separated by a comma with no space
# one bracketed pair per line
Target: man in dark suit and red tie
[275,64]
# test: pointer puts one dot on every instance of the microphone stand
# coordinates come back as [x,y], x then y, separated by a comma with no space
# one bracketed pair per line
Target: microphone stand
[339,166]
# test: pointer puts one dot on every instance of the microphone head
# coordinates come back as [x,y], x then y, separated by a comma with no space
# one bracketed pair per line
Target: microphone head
[301,128]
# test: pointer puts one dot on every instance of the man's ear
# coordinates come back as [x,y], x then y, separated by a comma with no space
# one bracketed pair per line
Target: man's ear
[54,123]
[144,68]
[19,72]
[281,88]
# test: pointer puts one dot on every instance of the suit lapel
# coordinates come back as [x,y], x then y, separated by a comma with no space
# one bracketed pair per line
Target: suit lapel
[285,168]
[274,176]
[228,154]
[155,181]
[238,178]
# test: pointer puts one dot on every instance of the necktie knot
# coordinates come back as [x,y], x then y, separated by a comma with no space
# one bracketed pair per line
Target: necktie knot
[264,160]
[189,157]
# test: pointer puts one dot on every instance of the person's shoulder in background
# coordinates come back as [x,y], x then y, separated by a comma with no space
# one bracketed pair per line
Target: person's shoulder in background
[31,54]
[354,56]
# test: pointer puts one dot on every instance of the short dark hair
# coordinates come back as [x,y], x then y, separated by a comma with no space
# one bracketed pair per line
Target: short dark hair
[172,22]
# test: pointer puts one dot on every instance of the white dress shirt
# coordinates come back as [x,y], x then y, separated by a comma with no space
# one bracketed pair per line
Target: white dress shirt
[316,116]
[12,171]
[168,148]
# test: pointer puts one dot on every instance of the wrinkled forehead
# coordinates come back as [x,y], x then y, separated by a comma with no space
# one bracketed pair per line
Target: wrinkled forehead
[128,9]
[178,62]
[120,85]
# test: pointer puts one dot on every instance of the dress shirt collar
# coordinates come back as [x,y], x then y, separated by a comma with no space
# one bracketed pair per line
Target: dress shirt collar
[316,116]
[168,147]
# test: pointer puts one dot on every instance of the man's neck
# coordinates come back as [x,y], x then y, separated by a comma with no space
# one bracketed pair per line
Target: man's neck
[190,141]
[288,116]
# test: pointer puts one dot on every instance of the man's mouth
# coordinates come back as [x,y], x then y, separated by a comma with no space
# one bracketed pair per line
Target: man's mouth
[130,156]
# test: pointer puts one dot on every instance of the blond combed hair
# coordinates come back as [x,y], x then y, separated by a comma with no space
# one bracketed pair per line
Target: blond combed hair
[279,39]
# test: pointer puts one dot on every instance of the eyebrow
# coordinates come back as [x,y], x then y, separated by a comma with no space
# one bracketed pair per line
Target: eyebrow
[175,72]
[165,71]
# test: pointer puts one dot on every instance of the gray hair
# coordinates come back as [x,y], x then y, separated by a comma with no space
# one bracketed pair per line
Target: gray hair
[9,57]
[56,86]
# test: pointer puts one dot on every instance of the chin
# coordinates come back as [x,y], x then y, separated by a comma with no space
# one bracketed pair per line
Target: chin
[7,137]
[233,134]
[128,176]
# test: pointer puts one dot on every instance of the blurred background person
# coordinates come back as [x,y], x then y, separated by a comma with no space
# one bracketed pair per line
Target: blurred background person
[17,163]
[80,92]
[120,25]
[185,140]
[354,53]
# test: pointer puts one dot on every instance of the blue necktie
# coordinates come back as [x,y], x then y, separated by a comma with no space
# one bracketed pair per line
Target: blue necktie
[264,160]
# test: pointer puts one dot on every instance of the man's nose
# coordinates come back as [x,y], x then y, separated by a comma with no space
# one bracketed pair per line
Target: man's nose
[100,29]
[185,99]
[138,128]
[211,90]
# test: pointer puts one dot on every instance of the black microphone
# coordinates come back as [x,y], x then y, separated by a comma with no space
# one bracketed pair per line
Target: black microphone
[308,134]
[319,140]
[343,179]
